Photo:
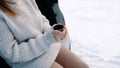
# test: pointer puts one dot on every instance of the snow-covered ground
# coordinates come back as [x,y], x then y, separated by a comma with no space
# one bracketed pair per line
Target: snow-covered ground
[94,27]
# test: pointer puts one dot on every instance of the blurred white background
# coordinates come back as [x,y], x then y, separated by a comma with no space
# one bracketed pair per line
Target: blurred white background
[94,28]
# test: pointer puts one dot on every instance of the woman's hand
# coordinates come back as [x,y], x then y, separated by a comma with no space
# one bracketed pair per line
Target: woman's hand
[59,35]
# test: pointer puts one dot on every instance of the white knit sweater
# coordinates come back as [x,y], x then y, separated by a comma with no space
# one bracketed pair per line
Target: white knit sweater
[26,41]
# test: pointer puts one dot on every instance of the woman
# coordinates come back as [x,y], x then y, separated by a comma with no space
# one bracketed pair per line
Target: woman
[28,41]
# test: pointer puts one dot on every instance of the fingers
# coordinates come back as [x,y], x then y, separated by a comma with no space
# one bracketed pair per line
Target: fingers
[65,32]
[59,35]
[55,34]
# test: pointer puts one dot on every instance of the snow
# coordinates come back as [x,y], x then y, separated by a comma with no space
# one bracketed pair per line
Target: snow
[94,28]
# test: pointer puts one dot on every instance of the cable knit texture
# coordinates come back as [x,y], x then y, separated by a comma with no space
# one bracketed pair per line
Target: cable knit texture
[26,41]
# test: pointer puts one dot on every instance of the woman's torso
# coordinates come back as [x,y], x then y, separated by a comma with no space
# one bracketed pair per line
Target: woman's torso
[27,24]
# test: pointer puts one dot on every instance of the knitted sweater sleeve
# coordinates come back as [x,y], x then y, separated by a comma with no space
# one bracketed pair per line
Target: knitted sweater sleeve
[46,25]
[14,52]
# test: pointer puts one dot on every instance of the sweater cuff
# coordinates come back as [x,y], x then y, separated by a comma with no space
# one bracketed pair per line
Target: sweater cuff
[49,37]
